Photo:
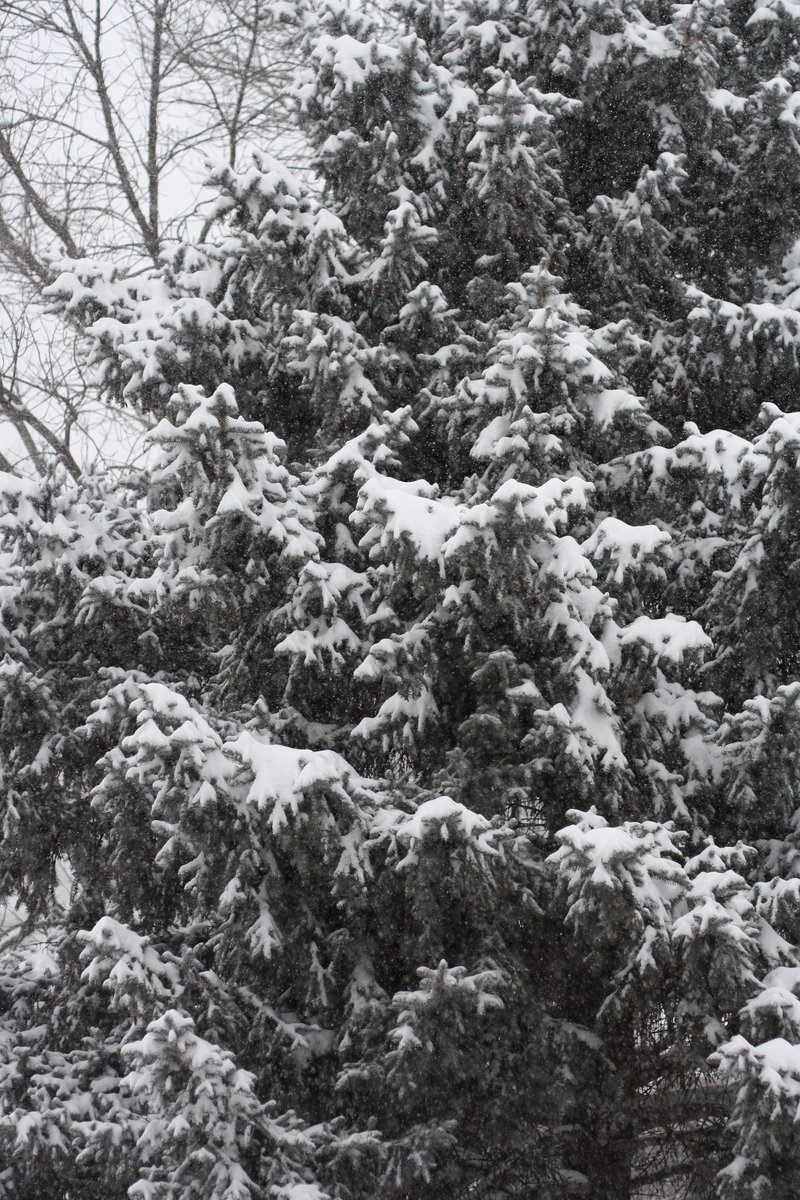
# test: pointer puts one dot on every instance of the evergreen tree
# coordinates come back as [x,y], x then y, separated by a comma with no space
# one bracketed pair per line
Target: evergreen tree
[418,729]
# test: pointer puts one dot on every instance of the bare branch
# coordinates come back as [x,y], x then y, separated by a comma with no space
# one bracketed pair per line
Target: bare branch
[42,209]
[21,417]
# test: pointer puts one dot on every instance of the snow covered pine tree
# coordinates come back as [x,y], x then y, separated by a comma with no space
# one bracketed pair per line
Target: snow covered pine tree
[420,729]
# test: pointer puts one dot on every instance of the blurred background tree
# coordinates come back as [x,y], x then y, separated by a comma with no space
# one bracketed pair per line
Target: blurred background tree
[107,111]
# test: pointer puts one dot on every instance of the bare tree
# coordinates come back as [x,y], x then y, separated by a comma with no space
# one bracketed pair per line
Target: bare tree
[107,109]
[50,409]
